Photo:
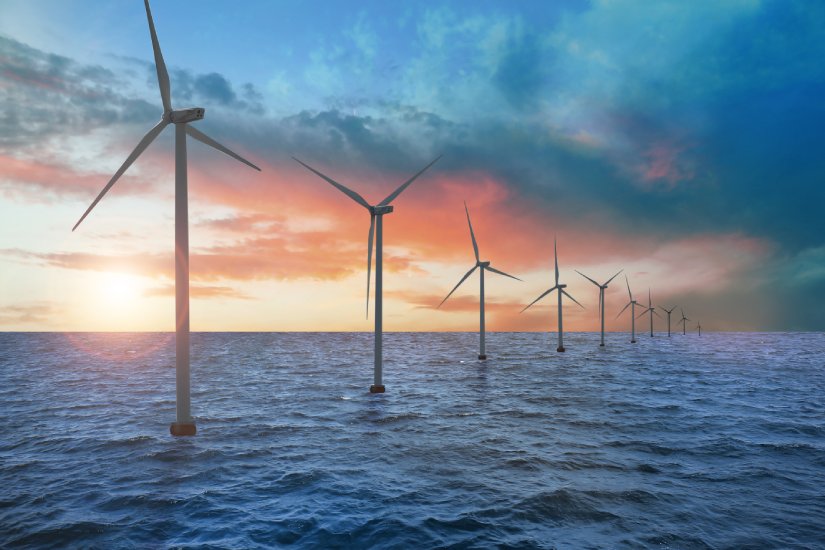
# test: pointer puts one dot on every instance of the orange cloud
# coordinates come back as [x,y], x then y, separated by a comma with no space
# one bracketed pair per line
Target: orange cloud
[199,291]
[26,178]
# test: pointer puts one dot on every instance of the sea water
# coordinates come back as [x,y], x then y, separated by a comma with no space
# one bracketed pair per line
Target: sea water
[715,441]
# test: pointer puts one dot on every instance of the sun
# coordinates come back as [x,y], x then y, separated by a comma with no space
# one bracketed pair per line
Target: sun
[120,289]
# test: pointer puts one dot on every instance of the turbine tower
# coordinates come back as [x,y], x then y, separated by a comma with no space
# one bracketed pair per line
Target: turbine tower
[632,304]
[377,212]
[668,311]
[699,326]
[560,288]
[651,310]
[684,321]
[181,118]
[601,298]
[482,350]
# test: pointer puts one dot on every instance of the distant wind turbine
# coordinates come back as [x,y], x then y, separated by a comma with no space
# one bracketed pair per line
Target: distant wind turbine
[632,304]
[376,230]
[684,321]
[560,288]
[181,119]
[650,309]
[485,266]
[699,326]
[601,297]
[668,311]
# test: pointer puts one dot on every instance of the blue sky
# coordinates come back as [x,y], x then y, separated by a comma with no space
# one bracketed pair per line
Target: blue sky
[681,140]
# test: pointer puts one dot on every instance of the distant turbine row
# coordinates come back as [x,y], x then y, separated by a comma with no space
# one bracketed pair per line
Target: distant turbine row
[560,288]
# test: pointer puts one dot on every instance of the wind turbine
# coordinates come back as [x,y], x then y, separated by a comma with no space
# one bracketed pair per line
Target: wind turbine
[632,304]
[377,211]
[560,288]
[181,118]
[601,297]
[651,310]
[668,311]
[684,321]
[482,351]
[699,326]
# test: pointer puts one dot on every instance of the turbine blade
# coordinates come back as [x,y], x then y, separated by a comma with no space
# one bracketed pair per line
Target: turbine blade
[141,146]
[628,287]
[490,268]
[556,256]
[624,308]
[203,138]
[163,75]
[369,260]
[464,278]
[613,277]
[406,184]
[345,190]
[545,293]
[656,313]
[472,235]
[569,296]
[588,278]
[642,314]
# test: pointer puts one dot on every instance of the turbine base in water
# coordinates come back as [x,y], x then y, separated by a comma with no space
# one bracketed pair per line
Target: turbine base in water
[560,349]
[482,357]
[182,428]
[377,389]
[633,341]
[601,345]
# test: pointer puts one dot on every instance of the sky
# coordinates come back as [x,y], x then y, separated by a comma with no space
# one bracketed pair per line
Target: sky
[679,141]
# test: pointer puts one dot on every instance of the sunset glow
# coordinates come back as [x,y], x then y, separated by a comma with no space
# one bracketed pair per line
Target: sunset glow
[547,128]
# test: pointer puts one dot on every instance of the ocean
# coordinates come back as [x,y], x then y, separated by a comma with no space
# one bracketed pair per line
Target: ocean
[715,441]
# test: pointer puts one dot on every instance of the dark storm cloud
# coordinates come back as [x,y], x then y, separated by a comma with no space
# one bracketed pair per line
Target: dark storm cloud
[46,95]
[523,72]
[212,89]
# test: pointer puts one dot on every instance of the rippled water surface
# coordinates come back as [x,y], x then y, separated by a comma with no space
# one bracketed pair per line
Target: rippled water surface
[685,442]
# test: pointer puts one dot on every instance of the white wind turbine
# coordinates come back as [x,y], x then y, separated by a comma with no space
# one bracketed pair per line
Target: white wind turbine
[377,231]
[482,351]
[560,288]
[601,297]
[632,305]
[668,311]
[651,310]
[684,321]
[181,119]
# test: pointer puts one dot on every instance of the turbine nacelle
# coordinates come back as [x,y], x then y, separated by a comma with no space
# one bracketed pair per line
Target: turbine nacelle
[380,210]
[561,286]
[182,116]
[483,264]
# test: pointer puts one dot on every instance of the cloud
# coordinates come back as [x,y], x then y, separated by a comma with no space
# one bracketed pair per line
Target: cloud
[209,89]
[35,314]
[199,291]
[691,155]
[42,181]
[45,96]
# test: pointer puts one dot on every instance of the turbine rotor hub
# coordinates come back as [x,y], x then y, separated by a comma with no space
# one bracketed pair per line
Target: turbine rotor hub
[182,116]
[484,264]
[381,210]
[561,286]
